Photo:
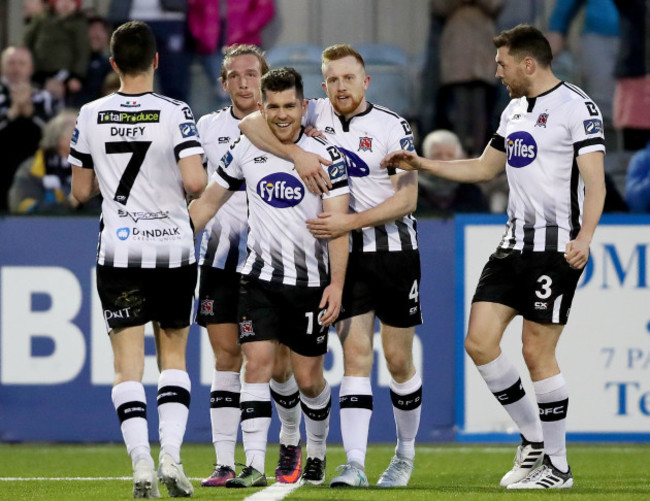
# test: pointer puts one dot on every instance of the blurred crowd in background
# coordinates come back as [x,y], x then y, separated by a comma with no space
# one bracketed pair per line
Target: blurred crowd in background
[452,99]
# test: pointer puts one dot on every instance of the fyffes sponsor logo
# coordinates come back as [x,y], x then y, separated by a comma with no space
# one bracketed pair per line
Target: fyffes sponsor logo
[521,149]
[281,190]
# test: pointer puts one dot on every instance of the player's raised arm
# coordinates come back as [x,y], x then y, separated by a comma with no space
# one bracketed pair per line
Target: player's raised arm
[471,170]
[308,165]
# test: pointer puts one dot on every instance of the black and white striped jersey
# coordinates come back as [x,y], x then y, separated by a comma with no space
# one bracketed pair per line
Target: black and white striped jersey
[280,247]
[223,244]
[542,138]
[365,139]
[134,143]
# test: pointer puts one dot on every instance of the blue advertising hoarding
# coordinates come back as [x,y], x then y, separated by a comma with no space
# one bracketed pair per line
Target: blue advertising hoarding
[56,362]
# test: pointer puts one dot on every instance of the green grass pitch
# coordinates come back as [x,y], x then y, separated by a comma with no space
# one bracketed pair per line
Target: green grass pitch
[464,472]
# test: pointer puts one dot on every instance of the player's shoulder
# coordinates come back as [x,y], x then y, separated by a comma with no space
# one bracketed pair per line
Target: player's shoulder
[385,113]
[217,118]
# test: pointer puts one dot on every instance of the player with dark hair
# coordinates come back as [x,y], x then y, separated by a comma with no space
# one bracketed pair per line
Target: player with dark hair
[292,283]
[141,151]
[383,279]
[550,142]
[222,255]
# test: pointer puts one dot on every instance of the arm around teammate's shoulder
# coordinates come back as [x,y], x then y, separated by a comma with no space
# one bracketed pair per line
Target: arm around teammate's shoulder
[194,176]
[470,170]
[308,165]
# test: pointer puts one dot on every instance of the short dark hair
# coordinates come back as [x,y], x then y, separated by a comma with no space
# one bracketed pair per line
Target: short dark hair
[525,40]
[281,79]
[133,47]
[235,50]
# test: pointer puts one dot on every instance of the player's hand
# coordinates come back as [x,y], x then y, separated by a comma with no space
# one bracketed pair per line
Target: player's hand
[329,225]
[312,131]
[331,300]
[308,166]
[402,159]
[577,254]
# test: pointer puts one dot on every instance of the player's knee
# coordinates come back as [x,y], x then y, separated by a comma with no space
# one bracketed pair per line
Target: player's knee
[228,362]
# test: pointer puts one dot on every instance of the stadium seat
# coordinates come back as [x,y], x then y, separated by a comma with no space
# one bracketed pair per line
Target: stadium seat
[390,76]
[306,59]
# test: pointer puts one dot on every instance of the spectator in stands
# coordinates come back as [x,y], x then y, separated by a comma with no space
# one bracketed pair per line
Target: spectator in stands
[631,111]
[599,42]
[99,33]
[438,194]
[24,110]
[42,182]
[215,24]
[167,19]
[32,9]
[637,186]
[58,40]
[467,93]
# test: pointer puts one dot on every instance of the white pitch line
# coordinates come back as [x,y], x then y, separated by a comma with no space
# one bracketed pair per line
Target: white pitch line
[275,492]
[60,479]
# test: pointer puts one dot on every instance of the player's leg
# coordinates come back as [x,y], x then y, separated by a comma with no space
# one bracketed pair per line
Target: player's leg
[125,321]
[217,312]
[399,312]
[174,390]
[285,394]
[255,404]
[259,322]
[172,307]
[406,395]
[550,286]
[498,298]
[355,396]
[487,323]
[539,343]
[130,402]
[316,403]
[224,400]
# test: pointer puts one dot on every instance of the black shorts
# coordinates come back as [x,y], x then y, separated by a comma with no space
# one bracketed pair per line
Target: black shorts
[539,285]
[285,313]
[135,296]
[218,296]
[387,283]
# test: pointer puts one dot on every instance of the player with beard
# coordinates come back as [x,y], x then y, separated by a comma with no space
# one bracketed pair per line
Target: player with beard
[290,291]
[383,279]
[222,255]
[550,142]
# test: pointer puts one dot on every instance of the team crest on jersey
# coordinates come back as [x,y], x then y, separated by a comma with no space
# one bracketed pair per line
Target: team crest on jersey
[365,144]
[246,328]
[593,126]
[541,120]
[188,129]
[207,307]
[123,233]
